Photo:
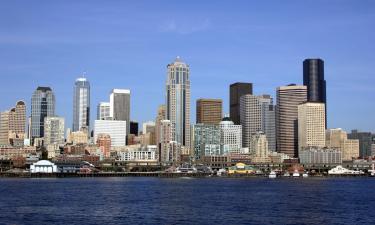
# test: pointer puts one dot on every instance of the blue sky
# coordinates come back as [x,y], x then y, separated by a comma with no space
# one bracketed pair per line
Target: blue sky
[127,44]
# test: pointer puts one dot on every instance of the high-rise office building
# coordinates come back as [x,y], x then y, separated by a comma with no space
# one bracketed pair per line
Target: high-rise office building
[81,105]
[120,106]
[54,130]
[313,79]
[103,111]
[236,91]
[42,105]
[209,111]
[365,141]
[250,117]
[288,99]
[206,135]
[231,136]
[311,125]
[160,116]
[116,129]
[257,115]
[13,124]
[178,100]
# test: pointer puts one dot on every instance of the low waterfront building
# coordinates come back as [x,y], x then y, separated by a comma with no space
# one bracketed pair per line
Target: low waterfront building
[313,155]
[241,168]
[43,166]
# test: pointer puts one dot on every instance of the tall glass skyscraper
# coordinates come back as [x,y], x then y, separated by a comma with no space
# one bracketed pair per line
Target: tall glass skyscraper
[81,104]
[42,105]
[313,79]
[178,100]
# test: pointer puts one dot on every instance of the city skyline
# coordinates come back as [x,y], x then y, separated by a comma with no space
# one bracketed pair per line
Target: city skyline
[41,58]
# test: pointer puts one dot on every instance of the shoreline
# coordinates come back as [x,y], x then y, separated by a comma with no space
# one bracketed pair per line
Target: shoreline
[160,175]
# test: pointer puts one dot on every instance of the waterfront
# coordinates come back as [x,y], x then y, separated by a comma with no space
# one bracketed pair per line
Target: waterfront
[148,200]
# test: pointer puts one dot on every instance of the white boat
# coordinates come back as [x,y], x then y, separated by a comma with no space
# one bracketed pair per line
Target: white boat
[305,175]
[339,170]
[286,174]
[295,174]
[272,175]
[221,172]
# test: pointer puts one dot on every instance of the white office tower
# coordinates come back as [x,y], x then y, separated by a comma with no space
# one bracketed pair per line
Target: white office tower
[178,100]
[311,125]
[103,111]
[231,136]
[115,129]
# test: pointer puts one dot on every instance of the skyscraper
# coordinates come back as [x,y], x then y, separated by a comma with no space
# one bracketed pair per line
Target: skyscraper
[288,99]
[42,105]
[103,111]
[257,115]
[236,91]
[313,79]
[81,104]
[209,111]
[206,135]
[311,125]
[13,124]
[178,100]
[120,106]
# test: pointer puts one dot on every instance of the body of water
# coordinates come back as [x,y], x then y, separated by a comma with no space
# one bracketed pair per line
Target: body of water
[187,201]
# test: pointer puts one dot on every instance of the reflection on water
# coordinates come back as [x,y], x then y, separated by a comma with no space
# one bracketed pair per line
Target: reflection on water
[187,201]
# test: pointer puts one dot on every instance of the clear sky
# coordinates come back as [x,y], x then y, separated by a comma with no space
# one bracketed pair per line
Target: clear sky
[127,44]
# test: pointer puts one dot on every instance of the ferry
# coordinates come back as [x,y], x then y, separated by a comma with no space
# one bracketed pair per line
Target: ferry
[272,175]
[339,170]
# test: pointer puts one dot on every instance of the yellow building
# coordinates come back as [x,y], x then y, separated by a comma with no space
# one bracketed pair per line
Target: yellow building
[241,168]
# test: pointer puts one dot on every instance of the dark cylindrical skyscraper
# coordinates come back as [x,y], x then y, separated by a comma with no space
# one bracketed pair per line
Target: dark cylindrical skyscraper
[313,79]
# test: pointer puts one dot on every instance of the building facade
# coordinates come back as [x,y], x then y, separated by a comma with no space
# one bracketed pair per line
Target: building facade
[313,79]
[120,106]
[178,100]
[311,125]
[206,134]
[365,141]
[236,91]
[230,137]
[103,111]
[42,105]
[54,132]
[209,111]
[103,141]
[13,124]
[288,99]
[312,155]
[81,104]
[116,129]
[337,139]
